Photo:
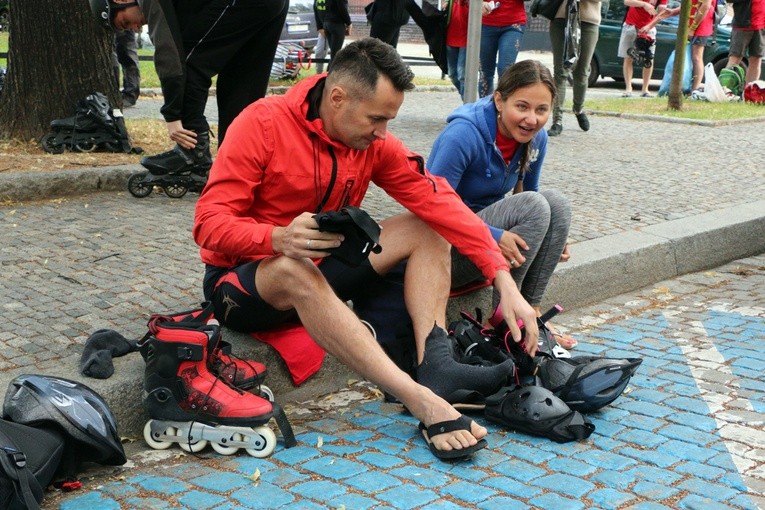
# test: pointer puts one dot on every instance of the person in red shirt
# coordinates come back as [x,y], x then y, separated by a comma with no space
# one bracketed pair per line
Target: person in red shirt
[700,30]
[456,42]
[317,148]
[502,27]
[748,36]
[639,14]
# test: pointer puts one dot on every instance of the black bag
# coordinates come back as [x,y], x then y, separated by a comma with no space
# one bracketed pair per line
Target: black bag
[361,232]
[29,457]
[545,8]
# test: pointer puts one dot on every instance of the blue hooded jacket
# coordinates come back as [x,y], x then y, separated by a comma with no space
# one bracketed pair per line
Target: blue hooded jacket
[466,155]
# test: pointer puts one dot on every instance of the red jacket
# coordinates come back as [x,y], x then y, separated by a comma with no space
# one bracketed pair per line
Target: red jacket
[276,164]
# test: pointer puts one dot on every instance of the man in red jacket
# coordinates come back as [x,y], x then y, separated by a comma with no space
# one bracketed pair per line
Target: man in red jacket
[316,149]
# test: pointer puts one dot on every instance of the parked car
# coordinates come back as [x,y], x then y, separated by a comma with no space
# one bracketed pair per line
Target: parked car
[607,64]
[300,26]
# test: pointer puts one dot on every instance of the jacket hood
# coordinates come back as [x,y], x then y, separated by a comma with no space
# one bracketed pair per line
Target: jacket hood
[297,101]
[482,114]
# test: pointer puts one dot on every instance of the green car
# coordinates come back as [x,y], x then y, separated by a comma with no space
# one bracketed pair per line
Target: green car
[607,64]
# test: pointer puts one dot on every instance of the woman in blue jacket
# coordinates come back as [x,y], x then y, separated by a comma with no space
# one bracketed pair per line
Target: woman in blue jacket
[491,152]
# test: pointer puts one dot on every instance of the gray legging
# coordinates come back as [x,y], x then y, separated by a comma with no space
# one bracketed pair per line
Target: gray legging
[542,219]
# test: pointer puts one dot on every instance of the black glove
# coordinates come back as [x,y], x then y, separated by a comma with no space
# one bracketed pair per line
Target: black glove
[361,232]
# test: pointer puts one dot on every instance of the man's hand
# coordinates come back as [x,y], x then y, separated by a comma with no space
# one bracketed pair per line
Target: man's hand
[183,137]
[302,238]
[514,307]
[649,8]
[511,245]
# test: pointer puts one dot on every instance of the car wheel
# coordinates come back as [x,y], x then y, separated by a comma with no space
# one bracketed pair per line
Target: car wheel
[592,80]
[723,63]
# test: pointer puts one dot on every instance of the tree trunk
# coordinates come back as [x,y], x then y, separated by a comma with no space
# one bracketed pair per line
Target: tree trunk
[57,54]
[675,99]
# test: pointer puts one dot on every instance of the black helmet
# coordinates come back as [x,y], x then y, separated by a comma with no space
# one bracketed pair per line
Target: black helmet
[587,383]
[73,408]
[104,11]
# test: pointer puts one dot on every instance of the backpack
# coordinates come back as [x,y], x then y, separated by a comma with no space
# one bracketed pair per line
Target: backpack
[29,457]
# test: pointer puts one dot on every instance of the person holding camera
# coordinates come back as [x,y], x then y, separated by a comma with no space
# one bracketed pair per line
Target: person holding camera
[315,149]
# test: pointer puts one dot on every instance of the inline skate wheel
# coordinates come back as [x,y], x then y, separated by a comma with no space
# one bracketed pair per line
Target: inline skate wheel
[175,190]
[228,450]
[85,146]
[266,443]
[193,446]
[49,145]
[153,439]
[137,187]
[266,393]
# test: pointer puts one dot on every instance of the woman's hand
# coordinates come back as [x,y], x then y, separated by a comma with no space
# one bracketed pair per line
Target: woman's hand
[511,245]
[566,255]
[183,137]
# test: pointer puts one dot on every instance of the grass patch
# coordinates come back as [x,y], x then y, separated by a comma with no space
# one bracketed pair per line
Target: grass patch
[696,110]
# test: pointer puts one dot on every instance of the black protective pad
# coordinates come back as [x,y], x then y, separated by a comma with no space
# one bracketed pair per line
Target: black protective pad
[361,232]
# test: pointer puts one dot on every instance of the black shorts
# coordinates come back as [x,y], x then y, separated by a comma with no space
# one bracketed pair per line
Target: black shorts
[239,306]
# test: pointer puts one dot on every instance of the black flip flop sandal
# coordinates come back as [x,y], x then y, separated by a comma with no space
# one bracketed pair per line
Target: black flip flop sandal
[461,423]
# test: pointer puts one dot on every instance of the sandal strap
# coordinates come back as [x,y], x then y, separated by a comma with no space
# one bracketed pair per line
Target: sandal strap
[461,423]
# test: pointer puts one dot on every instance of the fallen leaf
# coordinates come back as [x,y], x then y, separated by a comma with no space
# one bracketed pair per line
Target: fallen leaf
[255,476]
[319,442]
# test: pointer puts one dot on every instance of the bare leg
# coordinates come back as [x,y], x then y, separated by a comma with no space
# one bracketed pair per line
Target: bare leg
[428,271]
[627,68]
[647,72]
[753,71]
[297,283]
[697,58]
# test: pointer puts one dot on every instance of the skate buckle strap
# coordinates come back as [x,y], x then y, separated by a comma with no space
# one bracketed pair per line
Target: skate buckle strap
[190,352]
[284,425]
[16,457]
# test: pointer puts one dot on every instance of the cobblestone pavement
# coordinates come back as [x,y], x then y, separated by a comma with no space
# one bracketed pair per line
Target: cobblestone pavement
[690,429]
[688,433]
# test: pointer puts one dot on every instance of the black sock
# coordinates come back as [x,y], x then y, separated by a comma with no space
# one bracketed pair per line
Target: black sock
[100,347]
[440,372]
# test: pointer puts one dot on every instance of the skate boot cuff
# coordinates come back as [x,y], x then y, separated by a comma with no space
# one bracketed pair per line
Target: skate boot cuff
[445,376]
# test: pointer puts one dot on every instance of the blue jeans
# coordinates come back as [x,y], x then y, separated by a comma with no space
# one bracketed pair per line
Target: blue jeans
[455,59]
[503,40]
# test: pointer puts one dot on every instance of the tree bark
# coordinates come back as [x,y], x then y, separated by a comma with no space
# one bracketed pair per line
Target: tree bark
[675,98]
[57,54]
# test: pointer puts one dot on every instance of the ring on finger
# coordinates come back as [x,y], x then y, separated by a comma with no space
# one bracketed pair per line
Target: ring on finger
[512,262]
[308,245]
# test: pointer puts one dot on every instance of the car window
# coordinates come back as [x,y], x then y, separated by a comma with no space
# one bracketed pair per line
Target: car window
[301,6]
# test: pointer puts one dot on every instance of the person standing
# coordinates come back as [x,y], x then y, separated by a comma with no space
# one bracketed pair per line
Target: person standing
[456,42]
[337,25]
[639,14]
[589,15]
[125,55]
[748,35]
[195,41]
[700,30]
[320,51]
[388,16]
[502,27]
